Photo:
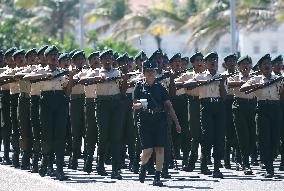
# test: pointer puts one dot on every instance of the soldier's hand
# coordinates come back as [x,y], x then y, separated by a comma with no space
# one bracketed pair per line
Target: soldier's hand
[137,105]
[178,128]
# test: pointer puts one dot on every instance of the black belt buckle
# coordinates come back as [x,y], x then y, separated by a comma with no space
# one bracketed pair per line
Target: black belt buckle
[213,99]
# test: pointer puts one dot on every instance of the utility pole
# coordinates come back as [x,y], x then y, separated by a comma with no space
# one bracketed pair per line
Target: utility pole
[233,27]
[82,24]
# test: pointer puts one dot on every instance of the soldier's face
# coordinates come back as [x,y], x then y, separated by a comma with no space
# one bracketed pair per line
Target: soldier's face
[212,64]
[52,59]
[79,61]
[198,64]
[245,67]
[42,59]
[107,62]
[20,60]
[230,64]
[65,63]
[277,67]
[95,62]
[32,59]
[265,67]
[150,75]
[9,60]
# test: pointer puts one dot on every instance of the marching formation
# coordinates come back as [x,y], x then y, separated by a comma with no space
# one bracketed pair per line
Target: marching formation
[54,104]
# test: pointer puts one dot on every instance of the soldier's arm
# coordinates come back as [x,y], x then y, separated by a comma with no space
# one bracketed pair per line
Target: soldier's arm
[170,110]
[250,84]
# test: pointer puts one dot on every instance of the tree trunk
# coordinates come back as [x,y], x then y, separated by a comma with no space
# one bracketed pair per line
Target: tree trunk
[158,41]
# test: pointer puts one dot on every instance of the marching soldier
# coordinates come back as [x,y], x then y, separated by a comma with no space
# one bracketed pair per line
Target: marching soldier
[77,114]
[90,110]
[109,114]
[153,127]
[244,112]
[193,109]
[268,111]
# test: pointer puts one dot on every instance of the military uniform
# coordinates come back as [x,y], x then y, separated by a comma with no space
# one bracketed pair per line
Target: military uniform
[268,113]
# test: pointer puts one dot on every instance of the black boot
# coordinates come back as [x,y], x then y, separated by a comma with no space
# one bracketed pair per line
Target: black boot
[142,173]
[73,162]
[115,174]
[88,164]
[43,166]
[15,160]
[50,170]
[165,173]
[26,161]
[101,170]
[59,174]
[217,173]
[157,181]
[203,167]
[35,163]
[6,159]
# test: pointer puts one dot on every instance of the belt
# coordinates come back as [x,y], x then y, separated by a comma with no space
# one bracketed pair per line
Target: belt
[52,92]
[109,97]
[193,97]
[268,102]
[24,94]
[211,99]
[244,100]
[76,96]
[153,111]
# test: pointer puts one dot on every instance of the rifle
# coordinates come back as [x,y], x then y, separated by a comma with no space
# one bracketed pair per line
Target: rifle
[65,72]
[263,85]
[214,79]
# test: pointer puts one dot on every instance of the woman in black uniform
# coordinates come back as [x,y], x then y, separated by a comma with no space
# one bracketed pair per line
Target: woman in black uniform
[152,101]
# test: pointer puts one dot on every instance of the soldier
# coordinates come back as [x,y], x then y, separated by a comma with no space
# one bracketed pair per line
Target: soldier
[230,62]
[14,93]
[5,131]
[244,112]
[193,109]
[153,119]
[212,94]
[90,110]
[77,114]
[268,100]
[53,112]
[109,114]
[277,67]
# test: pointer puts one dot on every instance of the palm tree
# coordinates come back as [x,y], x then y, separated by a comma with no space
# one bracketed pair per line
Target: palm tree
[54,16]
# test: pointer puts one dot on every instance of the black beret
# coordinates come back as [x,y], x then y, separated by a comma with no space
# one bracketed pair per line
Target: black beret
[50,49]
[185,59]
[193,57]
[63,56]
[211,55]
[19,52]
[150,65]
[276,59]
[115,55]
[42,49]
[10,51]
[265,57]
[233,55]
[94,54]
[78,53]
[244,58]
[31,51]
[156,53]
[106,52]
[176,56]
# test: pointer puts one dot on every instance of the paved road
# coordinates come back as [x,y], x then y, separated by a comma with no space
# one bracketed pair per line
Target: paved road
[15,179]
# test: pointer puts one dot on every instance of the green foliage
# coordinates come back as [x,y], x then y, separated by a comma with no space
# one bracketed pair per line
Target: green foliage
[92,37]
[118,46]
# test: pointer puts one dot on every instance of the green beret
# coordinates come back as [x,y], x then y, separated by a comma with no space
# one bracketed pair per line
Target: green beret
[244,58]
[140,55]
[211,55]
[63,56]
[31,51]
[10,51]
[94,54]
[185,59]
[277,59]
[193,57]
[106,53]
[78,53]
[19,52]
[41,50]
[50,49]
[115,55]
[150,65]
[265,57]
[233,55]
[72,52]
[175,57]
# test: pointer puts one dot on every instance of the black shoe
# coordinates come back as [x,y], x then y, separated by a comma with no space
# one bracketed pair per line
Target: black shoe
[88,164]
[6,160]
[50,172]
[60,175]
[43,167]
[142,173]
[205,171]
[238,167]
[34,169]
[116,175]
[227,166]
[254,162]
[166,175]
[268,175]
[247,171]
[101,171]
[281,167]
[35,164]
[25,162]
[157,181]
[73,163]
[217,174]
